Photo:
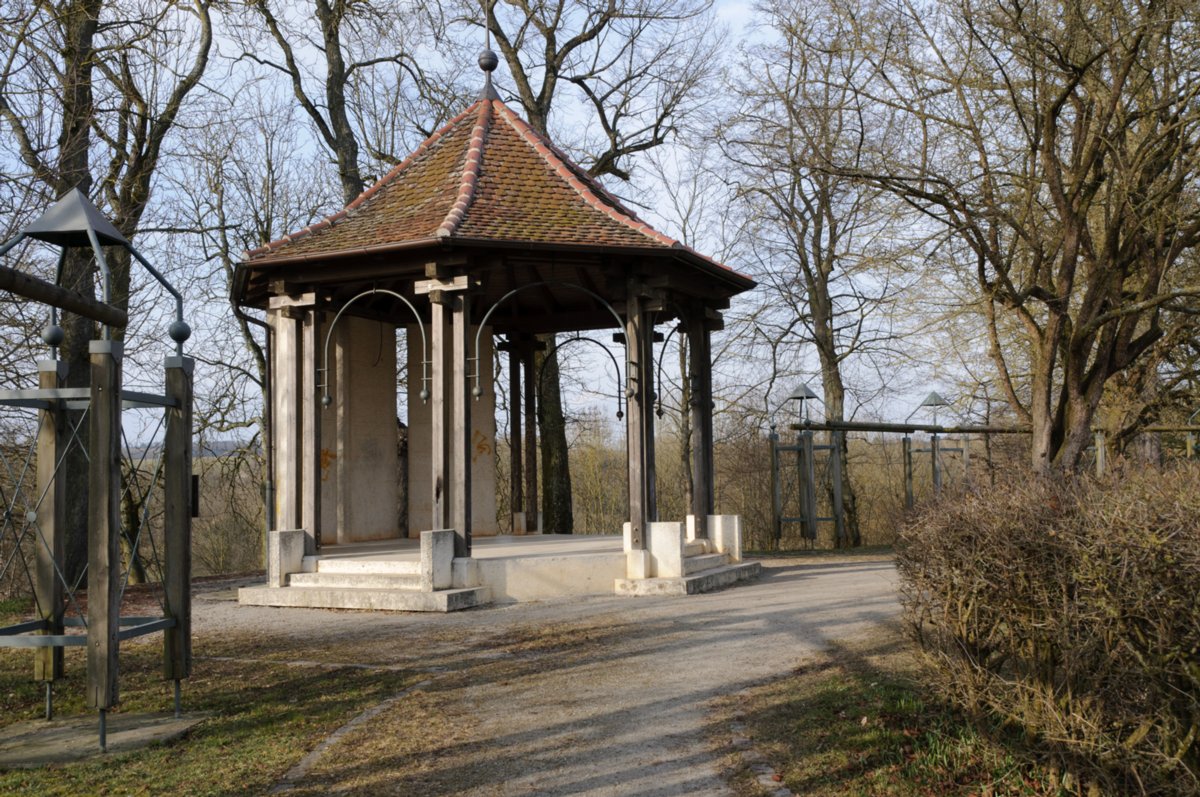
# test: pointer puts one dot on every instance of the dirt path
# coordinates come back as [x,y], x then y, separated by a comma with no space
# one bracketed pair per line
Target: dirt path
[600,696]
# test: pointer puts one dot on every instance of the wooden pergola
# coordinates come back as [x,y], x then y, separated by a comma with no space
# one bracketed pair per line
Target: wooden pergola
[487,235]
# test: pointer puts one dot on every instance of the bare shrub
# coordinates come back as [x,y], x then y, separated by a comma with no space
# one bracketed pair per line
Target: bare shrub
[1071,610]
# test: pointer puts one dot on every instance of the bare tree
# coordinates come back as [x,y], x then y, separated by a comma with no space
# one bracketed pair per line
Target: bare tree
[367,88]
[824,244]
[1059,144]
[90,90]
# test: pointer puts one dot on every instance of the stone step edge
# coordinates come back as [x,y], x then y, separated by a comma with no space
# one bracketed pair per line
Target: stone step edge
[693,584]
[322,578]
[445,600]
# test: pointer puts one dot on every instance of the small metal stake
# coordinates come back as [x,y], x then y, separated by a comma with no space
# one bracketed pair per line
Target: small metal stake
[49,700]
[103,731]
[178,700]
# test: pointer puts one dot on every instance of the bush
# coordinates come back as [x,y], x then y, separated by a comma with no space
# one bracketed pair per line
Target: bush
[1072,611]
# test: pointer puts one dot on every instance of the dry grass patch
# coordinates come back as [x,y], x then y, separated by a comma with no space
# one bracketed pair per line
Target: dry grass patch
[264,718]
[854,721]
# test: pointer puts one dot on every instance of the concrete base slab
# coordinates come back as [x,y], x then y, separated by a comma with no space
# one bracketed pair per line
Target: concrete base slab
[704,581]
[396,600]
[62,741]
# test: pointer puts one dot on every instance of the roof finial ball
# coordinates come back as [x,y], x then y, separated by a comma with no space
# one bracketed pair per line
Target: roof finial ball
[488,61]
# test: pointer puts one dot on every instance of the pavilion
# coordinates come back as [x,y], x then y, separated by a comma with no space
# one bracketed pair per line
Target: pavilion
[483,238]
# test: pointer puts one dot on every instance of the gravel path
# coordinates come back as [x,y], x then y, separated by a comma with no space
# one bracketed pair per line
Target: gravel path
[612,698]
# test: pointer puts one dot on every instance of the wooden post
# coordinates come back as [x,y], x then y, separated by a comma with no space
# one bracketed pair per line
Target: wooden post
[639,416]
[701,410]
[808,481]
[906,455]
[310,436]
[440,450]
[460,426]
[516,479]
[835,463]
[776,493]
[934,456]
[177,518]
[533,520]
[48,587]
[966,455]
[104,523]
[1101,454]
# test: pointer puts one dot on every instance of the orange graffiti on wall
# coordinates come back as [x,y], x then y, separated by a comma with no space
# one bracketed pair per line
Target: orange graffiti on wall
[483,446]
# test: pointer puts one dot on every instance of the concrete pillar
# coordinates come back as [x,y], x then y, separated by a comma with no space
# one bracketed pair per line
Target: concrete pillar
[310,431]
[285,415]
[358,456]
[482,442]
[460,424]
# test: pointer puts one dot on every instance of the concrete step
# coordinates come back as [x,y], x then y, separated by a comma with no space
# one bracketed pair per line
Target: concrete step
[373,566]
[695,548]
[702,562]
[359,580]
[703,581]
[396,600]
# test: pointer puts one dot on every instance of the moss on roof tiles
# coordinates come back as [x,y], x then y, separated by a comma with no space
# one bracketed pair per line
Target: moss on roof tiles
[522,195]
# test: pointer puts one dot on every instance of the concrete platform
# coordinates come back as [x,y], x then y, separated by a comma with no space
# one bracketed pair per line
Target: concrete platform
[37,743]
[382,575]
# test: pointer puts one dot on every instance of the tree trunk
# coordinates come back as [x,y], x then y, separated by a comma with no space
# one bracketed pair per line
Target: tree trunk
[557,517]
[79,22]
[835,410]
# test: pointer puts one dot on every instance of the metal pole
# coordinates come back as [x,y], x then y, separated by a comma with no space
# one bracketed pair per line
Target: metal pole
[103,731]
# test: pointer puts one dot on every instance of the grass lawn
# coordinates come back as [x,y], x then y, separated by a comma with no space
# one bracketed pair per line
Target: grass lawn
[855,721]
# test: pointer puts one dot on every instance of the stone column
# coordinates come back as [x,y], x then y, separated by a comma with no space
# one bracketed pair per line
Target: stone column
[285,415]
[438,406]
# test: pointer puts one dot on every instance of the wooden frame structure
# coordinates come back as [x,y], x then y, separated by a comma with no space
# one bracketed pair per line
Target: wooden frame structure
[74,222]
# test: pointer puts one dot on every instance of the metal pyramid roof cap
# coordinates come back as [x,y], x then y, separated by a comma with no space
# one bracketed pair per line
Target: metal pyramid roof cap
[68,220]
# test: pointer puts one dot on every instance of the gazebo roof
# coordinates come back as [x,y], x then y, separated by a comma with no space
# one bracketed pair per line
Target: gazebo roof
[485,176]
[486,182]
